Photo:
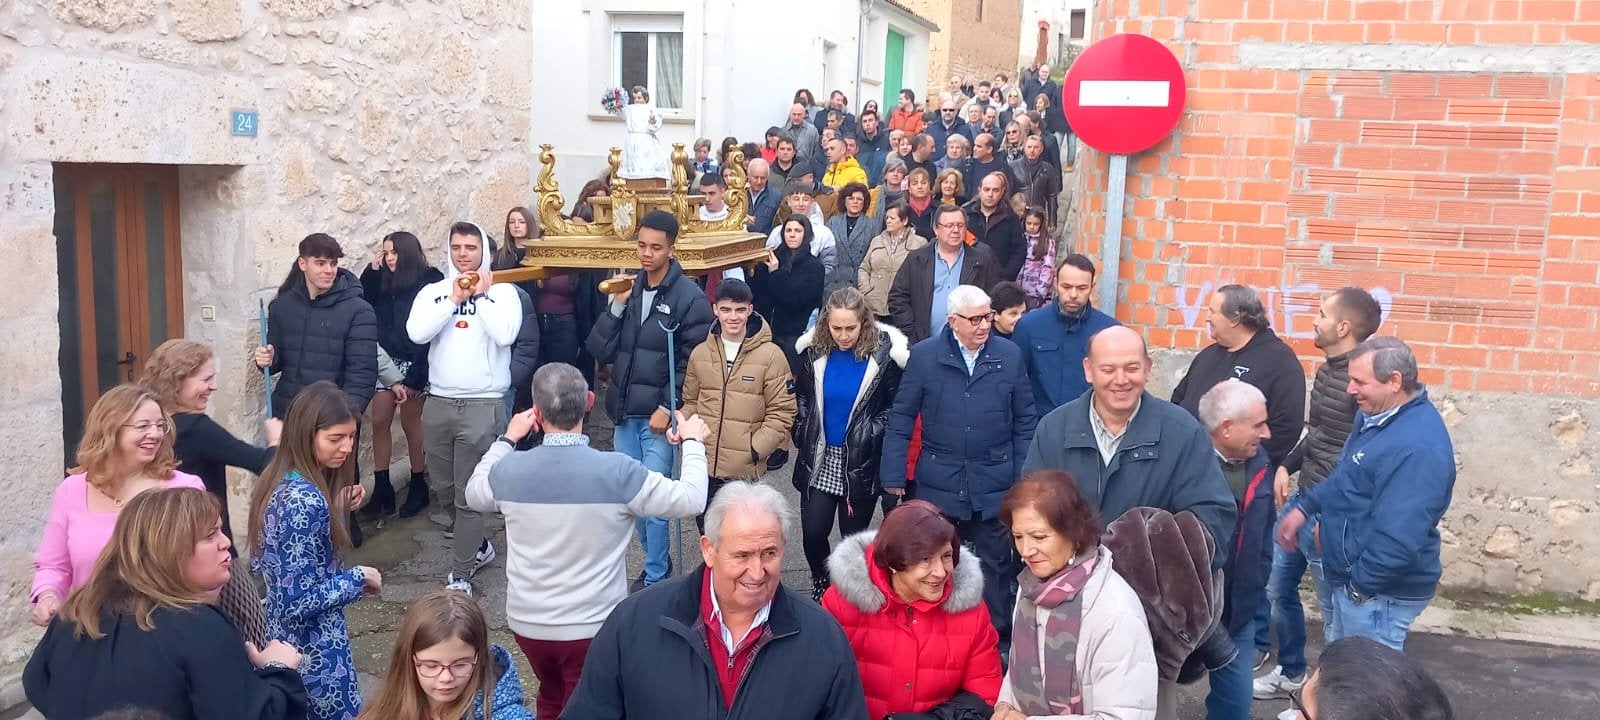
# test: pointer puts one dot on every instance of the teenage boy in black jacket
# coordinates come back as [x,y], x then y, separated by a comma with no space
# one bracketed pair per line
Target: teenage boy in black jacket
[1248,350]
[632,336]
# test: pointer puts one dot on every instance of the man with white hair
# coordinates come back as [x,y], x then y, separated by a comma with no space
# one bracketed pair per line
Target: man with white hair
[1234,414]
[727,641]
[1378,512]
[977,411]
[764,201]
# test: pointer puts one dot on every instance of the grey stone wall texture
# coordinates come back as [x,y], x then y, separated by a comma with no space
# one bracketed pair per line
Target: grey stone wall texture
[375,116]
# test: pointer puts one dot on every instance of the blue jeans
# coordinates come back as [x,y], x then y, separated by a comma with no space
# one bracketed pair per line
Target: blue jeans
[1281,610]
[1230,695]
[632,437]
[1381,618]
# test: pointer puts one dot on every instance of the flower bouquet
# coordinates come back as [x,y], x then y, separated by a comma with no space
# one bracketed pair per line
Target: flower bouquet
[613,99]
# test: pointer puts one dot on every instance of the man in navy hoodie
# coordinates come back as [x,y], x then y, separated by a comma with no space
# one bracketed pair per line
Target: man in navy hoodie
[1055,338]
[1379,511]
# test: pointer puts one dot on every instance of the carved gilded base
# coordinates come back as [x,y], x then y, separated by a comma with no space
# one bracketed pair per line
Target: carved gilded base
[698,254]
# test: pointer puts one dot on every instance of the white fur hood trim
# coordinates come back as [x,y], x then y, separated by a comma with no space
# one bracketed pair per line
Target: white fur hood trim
[847,568]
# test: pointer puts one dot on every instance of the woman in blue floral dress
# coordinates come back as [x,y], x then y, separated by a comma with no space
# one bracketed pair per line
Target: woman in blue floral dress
[298,549]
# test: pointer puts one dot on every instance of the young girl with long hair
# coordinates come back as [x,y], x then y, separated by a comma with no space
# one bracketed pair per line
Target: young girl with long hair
[126,449]
[443,667]
[391,284]
[297,542]
[144,631]
[1039,268]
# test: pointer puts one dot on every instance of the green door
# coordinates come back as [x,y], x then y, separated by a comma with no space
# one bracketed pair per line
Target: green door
[894,60]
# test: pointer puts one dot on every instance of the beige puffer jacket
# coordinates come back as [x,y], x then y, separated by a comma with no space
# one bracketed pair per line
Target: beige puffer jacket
[749,408]
[880,265]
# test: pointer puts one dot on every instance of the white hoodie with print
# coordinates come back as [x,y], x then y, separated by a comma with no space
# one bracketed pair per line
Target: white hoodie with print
[469,345]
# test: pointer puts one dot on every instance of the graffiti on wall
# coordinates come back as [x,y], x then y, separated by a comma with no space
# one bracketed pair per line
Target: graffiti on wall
[1283,303]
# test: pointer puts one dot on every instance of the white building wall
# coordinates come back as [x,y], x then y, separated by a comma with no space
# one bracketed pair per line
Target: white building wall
[1059,14]
[742,66]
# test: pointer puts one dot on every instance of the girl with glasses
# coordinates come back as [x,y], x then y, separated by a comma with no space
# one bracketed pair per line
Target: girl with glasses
[443,667]
[126,449]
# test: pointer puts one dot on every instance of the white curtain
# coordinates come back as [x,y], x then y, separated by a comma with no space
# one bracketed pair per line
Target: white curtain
[669,70]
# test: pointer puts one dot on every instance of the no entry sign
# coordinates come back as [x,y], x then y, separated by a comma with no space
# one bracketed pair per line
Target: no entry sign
[1124,94]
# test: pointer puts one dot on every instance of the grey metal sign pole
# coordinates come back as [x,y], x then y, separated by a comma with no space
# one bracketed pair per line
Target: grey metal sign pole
[1111,243]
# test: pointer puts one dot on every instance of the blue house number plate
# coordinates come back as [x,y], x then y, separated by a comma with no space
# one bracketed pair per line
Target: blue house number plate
[244,122]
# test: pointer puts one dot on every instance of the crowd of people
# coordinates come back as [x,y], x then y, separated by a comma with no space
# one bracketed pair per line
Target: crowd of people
[1055,540]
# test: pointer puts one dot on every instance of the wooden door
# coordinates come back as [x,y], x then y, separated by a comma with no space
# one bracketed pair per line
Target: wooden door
[121,278]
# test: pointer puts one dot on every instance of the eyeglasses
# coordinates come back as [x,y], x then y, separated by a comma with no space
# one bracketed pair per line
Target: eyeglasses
[430,669]
[948,110]
[1299,705]
[160,426]
[978,320]
[952,225]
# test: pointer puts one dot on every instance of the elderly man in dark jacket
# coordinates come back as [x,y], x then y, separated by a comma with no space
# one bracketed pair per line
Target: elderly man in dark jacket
[1235,415]
[727,640]
[977,419]
[633,337]
[917,298]
[319,327]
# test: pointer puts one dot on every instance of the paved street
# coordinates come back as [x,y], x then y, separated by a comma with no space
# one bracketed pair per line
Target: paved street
[1486,680]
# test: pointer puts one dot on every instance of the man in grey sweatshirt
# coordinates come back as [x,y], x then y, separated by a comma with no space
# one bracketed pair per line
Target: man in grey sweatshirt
[570,512]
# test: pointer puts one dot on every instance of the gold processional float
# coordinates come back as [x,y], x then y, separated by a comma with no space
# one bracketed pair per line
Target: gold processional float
[608,242]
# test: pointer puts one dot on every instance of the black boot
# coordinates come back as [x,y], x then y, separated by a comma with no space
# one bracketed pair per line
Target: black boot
[818,587]
[355,532]
[416,496]
[381,504]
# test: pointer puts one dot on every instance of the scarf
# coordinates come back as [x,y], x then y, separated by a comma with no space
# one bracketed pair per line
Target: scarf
[1045,679]
[919,206]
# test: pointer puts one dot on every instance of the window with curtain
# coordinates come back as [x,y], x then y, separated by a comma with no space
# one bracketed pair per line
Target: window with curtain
[648,51]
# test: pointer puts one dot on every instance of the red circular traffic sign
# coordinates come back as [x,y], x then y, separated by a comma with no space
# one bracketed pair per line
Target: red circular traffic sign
[1124,94]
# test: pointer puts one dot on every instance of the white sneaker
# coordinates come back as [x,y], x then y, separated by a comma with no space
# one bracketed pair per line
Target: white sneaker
[1290,714]
[484,556]
[458,583]
[1274,686]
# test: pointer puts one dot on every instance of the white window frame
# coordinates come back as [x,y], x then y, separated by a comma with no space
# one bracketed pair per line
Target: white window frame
[651,24]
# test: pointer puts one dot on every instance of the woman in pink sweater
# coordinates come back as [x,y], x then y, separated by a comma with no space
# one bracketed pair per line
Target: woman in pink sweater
[126,450]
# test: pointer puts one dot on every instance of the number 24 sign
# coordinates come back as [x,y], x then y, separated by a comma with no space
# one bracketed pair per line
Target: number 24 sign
[244,123]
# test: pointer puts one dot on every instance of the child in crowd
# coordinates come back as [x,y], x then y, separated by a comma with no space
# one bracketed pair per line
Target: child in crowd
[1039,267]
[444,668]
[1009,302]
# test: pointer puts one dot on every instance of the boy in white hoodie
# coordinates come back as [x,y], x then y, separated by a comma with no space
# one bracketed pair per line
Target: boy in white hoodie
[469,331]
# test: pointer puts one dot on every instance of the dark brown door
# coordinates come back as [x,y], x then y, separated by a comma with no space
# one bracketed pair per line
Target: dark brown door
[121,275]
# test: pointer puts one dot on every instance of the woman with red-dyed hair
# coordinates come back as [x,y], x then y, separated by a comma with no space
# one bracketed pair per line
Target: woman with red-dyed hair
[910,599]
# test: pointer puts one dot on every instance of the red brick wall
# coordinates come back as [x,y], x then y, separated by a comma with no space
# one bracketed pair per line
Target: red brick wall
[1469,201]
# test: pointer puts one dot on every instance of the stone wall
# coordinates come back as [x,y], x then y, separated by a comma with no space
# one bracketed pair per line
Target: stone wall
[374,117]
[1440,155]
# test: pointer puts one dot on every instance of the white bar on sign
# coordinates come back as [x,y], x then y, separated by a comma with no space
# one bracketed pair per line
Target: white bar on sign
[1123,93]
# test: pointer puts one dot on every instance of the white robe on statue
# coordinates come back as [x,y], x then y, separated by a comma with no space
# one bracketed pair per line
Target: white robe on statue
[643,155]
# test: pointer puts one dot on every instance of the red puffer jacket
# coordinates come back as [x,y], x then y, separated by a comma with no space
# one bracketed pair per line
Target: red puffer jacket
[913,656]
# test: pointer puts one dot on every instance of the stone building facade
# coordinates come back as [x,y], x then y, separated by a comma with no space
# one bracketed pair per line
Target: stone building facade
[976,40]
[1442,155]
[116,118]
